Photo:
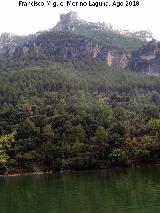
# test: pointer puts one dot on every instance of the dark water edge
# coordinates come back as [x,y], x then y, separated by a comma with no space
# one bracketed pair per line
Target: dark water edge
[117,190]
[48,171]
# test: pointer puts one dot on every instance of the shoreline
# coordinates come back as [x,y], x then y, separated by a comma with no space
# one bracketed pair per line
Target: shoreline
[26,174]
[66,171]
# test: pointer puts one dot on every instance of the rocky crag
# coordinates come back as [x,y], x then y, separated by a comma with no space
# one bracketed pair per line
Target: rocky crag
[63,43]
[146,59]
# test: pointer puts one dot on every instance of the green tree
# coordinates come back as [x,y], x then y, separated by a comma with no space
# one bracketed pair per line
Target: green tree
[6,142]
[155,125]
[117,157]
[101,142]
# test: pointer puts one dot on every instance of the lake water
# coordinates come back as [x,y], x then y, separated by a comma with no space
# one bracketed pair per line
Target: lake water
[113,191]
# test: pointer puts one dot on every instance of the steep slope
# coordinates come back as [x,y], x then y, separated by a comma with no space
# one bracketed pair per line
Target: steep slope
[64,46]
[8,42]
[102,32]
[73,38]
[146,59]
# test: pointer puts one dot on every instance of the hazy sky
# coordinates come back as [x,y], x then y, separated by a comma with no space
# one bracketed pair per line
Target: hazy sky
[25,20]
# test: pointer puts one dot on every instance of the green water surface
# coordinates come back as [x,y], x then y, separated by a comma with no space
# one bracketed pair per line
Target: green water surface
[113,191]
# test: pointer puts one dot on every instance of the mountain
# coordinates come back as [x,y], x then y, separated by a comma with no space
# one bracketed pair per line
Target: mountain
[72,99]
[66,46]
[103,32]
[73,38]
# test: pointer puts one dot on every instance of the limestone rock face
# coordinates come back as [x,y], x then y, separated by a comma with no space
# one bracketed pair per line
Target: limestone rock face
[7,44]
[65,43]
[60,46]
[6,39]
[71,22]
[146,59]
[114,57]
[68,21]
[10,44]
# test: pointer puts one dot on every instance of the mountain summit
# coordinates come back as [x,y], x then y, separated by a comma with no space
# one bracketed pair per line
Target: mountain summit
[72,22]
[75,39]
[68,21]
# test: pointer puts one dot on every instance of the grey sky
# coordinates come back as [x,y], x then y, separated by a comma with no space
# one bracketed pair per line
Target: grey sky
[25,20]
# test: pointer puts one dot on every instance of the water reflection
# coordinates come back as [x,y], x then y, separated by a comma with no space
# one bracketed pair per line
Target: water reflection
[113,191]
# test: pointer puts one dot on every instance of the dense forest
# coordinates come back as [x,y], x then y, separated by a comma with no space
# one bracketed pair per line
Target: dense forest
[66,103]
[76,115]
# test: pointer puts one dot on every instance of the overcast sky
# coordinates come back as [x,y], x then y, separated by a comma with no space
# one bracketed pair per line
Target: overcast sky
[26,20]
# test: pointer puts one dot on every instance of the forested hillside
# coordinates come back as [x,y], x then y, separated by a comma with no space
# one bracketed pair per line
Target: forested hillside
[75,97]
[77,115]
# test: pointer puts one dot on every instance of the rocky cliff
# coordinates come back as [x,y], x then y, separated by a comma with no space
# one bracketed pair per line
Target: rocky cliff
[68,22]
[71,22]
[10,43]
[60,46]
[146,59]
[7,43]
[72,38]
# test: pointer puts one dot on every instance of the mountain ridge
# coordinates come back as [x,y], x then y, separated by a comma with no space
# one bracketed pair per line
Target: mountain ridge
[70,21]
[73,38]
